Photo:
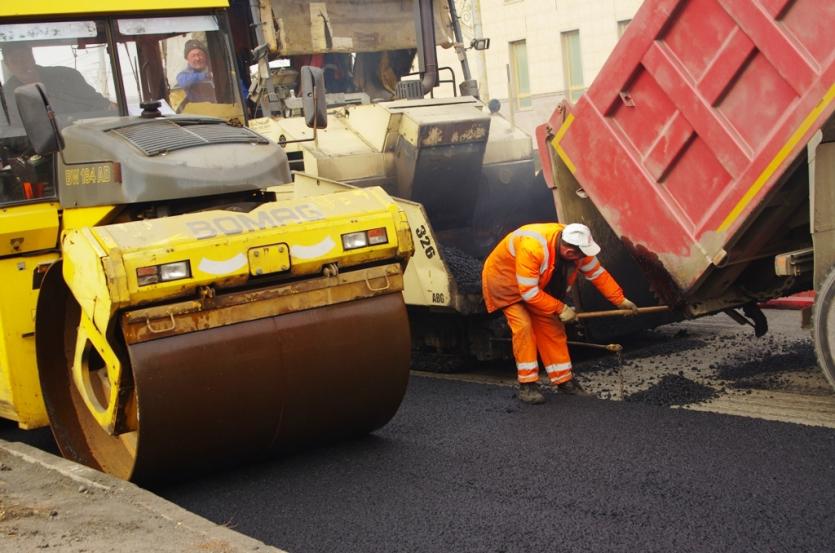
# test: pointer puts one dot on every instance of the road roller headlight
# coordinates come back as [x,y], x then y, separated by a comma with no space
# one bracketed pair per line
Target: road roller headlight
[363,238]
[163,273]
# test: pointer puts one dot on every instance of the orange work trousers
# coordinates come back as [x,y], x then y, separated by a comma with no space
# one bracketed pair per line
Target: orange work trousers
[537,331]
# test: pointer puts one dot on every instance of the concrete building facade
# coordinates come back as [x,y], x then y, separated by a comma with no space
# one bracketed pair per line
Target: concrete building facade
[541,51]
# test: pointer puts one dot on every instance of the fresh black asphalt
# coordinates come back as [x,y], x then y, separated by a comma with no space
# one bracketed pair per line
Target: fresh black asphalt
[464,467]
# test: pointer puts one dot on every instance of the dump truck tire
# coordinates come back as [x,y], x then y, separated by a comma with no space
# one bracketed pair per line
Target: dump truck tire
[823,329]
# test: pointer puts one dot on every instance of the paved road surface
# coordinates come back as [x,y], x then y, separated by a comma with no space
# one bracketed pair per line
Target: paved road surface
[464,468]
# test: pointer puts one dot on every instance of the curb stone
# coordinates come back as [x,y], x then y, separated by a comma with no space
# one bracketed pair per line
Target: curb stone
[145,504]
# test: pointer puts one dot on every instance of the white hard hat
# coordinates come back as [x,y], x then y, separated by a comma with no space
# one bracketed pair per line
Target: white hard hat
[580,236]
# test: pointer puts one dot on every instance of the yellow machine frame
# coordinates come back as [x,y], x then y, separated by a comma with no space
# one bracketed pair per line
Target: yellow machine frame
[34,235]
[68,7]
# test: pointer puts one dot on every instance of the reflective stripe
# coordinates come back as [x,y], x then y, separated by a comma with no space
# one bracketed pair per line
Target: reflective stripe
[595,274]
[558,367]
[527,281]
[539,238]
[560,378]
[588,266]
[530,293]
[527,366]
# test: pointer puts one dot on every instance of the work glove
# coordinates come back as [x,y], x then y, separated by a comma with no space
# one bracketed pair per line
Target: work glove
[628,305]
[568,315]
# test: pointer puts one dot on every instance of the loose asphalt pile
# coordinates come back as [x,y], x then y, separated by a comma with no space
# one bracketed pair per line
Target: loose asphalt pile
[465,269]
[669,366]
[769,366]
[673,389]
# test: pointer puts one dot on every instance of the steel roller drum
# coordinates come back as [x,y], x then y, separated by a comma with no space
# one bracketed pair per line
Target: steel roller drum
[222,395]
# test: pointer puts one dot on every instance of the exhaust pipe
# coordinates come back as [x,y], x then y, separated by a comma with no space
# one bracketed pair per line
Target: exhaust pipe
[427,55]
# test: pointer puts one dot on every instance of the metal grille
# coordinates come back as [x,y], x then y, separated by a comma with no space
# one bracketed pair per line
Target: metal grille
[411,89]
[157,137]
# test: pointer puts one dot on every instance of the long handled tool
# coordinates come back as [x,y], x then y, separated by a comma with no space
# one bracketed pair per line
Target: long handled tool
[621,312]
[617,349]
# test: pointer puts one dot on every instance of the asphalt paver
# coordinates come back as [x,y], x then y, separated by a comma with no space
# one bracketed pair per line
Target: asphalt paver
[465,467]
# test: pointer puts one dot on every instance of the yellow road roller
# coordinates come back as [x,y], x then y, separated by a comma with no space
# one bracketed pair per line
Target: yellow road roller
[164,307]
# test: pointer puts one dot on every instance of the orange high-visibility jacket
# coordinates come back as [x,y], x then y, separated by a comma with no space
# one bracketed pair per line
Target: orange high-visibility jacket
[521,266]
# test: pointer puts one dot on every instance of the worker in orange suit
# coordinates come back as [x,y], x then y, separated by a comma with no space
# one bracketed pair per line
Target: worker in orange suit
[514,280]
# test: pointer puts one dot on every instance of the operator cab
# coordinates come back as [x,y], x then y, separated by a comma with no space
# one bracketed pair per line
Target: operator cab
[106,67]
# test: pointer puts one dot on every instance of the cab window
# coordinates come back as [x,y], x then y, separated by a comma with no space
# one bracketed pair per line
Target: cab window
[70,59]
[181,61]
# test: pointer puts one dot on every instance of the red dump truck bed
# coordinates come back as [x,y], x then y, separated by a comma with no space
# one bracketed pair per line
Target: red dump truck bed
[695,120]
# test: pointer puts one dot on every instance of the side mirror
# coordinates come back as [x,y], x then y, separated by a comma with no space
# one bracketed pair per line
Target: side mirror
[38,119]
[314,103]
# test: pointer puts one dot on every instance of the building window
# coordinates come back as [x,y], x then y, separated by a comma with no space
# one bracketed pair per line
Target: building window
[622,26]
[519,74]
[572,65]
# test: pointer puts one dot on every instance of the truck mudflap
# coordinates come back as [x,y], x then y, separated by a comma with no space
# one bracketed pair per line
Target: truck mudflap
[243,373]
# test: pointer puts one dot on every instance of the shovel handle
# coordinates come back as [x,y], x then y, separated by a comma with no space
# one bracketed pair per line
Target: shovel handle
[621,312]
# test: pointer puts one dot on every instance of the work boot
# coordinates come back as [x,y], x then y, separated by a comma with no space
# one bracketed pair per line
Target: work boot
[573,388]
[529,393]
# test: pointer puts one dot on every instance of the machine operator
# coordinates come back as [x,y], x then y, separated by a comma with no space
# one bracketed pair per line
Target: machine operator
[196,78]
[515,277]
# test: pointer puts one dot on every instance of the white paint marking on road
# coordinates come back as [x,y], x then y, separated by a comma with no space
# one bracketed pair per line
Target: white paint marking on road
[811,410]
